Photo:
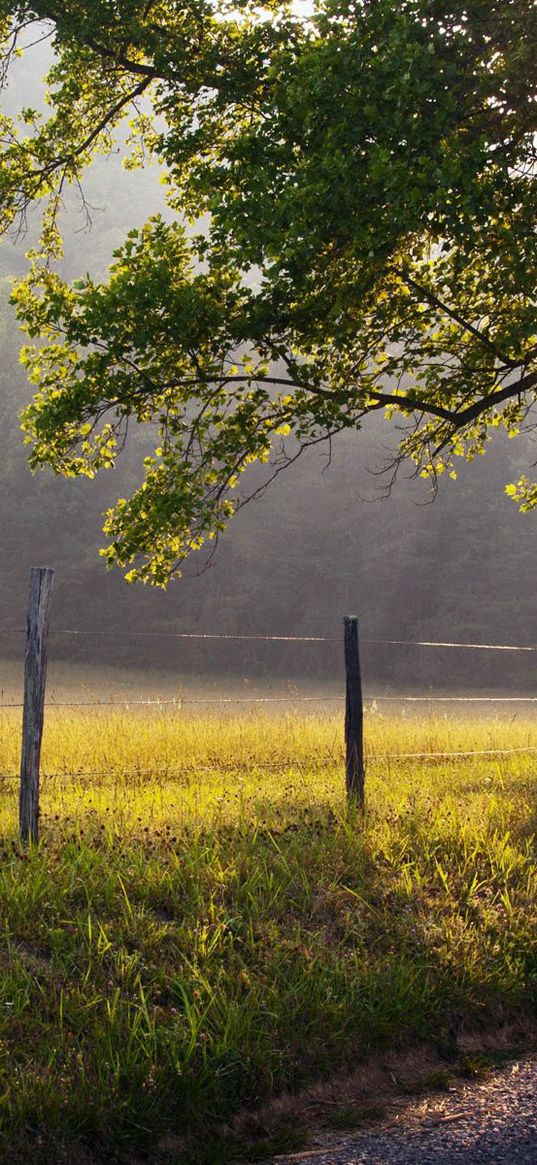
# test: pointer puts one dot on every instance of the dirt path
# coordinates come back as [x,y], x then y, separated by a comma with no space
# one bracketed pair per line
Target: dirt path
[490,1123]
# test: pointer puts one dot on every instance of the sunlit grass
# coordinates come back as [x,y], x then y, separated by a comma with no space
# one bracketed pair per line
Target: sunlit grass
[202,925]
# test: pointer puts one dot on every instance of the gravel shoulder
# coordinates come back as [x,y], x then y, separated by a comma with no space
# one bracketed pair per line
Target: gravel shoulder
[493,1122]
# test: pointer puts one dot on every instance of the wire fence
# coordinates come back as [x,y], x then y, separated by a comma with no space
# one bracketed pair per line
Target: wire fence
[176,771]
[127,634]
[372,701]
[187,701]
[180,702]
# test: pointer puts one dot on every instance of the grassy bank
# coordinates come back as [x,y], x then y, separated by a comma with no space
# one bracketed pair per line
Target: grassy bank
[201,927]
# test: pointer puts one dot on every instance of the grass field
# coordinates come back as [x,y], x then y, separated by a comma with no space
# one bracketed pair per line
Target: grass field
[202,926]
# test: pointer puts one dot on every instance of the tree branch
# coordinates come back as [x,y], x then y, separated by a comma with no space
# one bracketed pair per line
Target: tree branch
[433,299]
[502,394]
[135,67]
[101,125]
[412,403]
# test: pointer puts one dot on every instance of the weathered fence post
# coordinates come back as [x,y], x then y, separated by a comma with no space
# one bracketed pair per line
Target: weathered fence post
[35,674]
[354,715]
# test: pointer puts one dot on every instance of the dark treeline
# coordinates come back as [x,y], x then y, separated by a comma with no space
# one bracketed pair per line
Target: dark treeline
[309,551]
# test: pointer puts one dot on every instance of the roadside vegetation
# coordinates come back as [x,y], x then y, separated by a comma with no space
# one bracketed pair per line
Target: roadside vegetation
[203,927]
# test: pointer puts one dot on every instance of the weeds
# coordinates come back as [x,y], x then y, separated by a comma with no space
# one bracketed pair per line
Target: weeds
[185,944]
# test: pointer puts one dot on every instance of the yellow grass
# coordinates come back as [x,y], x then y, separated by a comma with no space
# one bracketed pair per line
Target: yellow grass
[204,925]
[163,765]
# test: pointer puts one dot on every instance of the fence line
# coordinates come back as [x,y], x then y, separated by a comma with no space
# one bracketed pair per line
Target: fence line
[289,762]
[455,699]
[179,702]
[34,703]
[465,752]
[184,635]
[465,646]
[318,762]
[277,638]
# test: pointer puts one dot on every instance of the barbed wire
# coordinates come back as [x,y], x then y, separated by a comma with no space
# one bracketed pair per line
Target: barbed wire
[464,646]
[284,763]
[458,753]
[450,644]
[180,635]
[454,699]
[180,702]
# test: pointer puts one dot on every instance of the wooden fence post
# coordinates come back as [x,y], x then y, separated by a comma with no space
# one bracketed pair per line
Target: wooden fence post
[354,715]
[35,674]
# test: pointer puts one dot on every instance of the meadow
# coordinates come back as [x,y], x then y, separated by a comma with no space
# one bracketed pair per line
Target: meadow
[203,926]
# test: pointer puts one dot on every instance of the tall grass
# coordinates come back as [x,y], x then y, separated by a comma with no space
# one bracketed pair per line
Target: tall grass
[202,926]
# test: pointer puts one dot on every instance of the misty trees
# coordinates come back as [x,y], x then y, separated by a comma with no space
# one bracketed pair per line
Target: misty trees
[358,189]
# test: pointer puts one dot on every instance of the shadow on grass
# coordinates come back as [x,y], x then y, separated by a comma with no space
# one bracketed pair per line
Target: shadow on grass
[158,984]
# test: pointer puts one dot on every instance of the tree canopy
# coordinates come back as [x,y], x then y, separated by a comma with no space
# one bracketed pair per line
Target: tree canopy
[353,230]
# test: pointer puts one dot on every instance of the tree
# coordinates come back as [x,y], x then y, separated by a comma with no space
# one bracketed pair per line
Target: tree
[354,193]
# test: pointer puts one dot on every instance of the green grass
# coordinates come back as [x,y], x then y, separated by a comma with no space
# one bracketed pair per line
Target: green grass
[202,927]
